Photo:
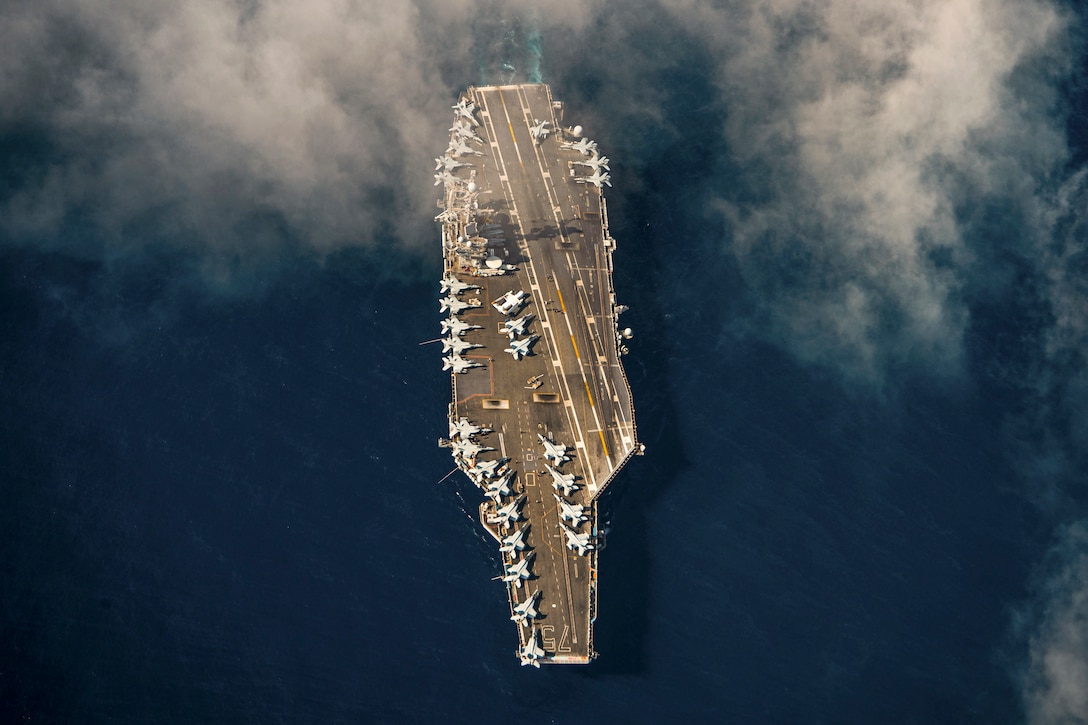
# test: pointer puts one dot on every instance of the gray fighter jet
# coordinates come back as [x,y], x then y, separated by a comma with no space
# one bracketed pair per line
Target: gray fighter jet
[554,451]
[522,348]
[526,610]
[572,512]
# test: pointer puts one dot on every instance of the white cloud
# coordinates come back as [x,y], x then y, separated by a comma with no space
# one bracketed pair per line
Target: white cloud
[1051,433]
[1054,685]
[862,124]
[233,124]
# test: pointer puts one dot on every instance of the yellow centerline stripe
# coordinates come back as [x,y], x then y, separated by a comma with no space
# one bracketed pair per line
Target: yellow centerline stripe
[589,394]
[510,125]
[506,112]
[576,353]
[603,444]
[561,302]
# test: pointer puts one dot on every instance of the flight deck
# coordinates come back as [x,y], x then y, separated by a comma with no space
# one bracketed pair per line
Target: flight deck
[541,417]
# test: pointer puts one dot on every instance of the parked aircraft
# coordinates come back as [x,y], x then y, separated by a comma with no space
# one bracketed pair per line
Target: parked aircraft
[455,326]
[454,305]
[510,302]
[563,482]
[597,178]
[540,129]
[465,132]
[460,148]
[576,541]
[500,487]
[468,449]
[445,177]
[521,348]
[572,512]
[526,610]
[489,469]
[516,572]
[532,652]
[595,162]
[515,541]
[447,163]
[465,429]
[457,345]
[456,286]
[458,364]
[554,451]
[517,327]
[503,481]
[466,109]
[585,146]
[507,514]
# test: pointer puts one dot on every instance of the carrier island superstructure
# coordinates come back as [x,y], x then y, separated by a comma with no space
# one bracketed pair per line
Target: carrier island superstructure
[541,418]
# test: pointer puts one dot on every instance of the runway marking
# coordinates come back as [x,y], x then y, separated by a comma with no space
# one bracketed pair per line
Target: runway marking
[564,647]
[547,641]
[511,127]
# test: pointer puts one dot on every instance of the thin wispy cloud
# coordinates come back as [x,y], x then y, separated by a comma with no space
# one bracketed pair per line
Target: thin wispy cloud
[226,127]
[862,128]
[859,135]
[1054,682]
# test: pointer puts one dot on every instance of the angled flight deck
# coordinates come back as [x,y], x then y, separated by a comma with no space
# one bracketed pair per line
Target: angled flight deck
[541,417]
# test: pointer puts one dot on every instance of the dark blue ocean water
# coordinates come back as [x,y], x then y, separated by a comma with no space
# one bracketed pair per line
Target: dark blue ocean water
[226,510]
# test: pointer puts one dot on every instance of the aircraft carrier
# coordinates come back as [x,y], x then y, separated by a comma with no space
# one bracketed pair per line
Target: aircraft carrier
[541,418]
